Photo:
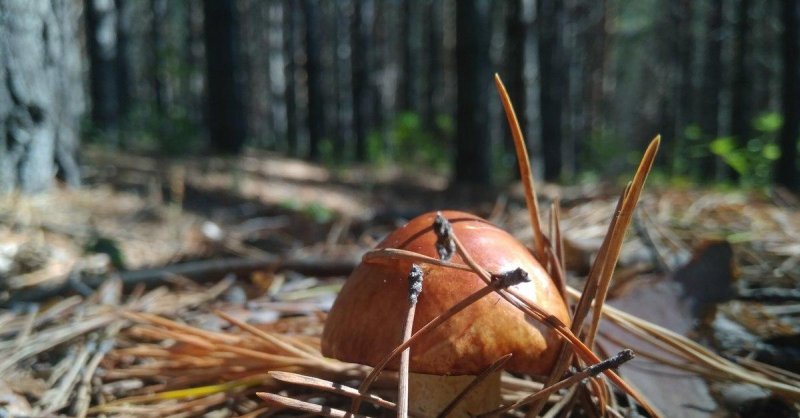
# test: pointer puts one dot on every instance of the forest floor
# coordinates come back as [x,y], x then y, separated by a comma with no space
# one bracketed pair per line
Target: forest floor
[269,240]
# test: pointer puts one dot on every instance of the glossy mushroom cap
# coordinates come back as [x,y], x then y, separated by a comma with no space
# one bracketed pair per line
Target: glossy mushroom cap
[366,321]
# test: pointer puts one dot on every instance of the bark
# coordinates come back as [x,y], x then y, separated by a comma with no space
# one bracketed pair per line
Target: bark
[358,66]
[226,114]
[289,13]
[711,86]
[740,87]
[157,9]
[516,32]
[786,170]
[122,62]
[41,99]
[433,76]
[101,45]
[408,75]
[551,85]
[316,116]
[473,151]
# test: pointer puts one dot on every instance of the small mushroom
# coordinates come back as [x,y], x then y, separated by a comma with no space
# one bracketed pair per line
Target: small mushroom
[366,321]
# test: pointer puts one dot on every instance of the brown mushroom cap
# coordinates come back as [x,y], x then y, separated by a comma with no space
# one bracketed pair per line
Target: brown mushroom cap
[366,321]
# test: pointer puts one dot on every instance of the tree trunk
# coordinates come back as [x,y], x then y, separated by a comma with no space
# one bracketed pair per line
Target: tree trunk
[408,74]
[548,17]
[473,150]
[122,63]
[740,88]
[289,12]
[514,77]
[711,86]
[101,45]
[157,10]
[316,116]
[41,99]
[786,170]
[431,106]
[358,66]
[226,114]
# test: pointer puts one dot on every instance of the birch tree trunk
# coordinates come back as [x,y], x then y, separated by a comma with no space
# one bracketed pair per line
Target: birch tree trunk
[41,99]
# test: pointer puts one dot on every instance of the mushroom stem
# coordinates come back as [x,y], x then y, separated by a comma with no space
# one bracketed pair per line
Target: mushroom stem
[429,394]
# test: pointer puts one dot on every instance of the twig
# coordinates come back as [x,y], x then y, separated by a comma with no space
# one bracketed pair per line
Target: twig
[591,371]
[414,289]
[203,270]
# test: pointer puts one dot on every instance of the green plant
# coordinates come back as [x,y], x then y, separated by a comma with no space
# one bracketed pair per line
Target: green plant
[753,161]
[408,141]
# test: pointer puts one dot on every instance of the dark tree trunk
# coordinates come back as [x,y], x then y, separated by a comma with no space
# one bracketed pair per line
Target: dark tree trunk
[682,16]
[431,105]
[786,170]
[101,43]
[711,85]
[408,75]
[289,16]
[376,62]
[41,99]
[473,150]
[358,66]
[226,114]
[157,10]
[740,88]
[598,59]
[122,64]
[514,77]
[342,76]
[316,116]
[548,17]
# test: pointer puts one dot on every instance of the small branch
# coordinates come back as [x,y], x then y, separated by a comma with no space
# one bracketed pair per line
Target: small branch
[414,289]
[591,371]
[201,271]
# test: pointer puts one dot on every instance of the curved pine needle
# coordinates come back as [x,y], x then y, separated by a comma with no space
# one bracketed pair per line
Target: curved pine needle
[618,235]
[525,173]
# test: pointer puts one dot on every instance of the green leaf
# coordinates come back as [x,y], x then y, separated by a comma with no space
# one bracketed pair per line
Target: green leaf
[768,122]
[722,146]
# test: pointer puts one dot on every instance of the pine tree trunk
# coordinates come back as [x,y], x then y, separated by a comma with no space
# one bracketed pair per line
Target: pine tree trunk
[551,85]
[101,43]
[711,86]
[41,99]
[289,18]
[786,170]
[358,67]
[226,114]
[473,150]
[740,88]
[316,116]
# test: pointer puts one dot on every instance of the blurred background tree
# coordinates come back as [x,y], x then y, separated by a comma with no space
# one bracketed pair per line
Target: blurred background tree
[409,82]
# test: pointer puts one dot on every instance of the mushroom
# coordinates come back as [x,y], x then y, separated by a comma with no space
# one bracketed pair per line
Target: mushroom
[366,321]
